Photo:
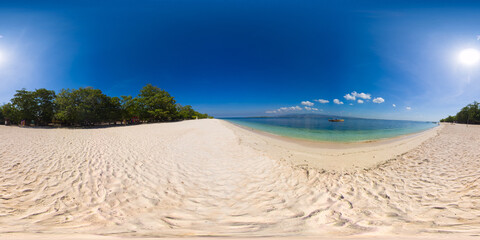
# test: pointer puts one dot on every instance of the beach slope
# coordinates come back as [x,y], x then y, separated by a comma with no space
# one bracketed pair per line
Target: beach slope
[211,178]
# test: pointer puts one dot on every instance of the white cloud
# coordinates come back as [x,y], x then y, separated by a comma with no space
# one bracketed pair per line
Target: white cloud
[322,101]
[307,103]
[354,95]
[311,108]
[361,95]
[285,109]
[289,108]
[349,97]
[408,108]
[360,101]
[393,105]
[336,101]
[378,100]
[351,104]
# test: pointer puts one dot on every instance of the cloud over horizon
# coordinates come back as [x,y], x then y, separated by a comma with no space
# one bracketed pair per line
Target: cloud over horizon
[361,95]
[336,101]
[285,109]
[311,108]
[307,103]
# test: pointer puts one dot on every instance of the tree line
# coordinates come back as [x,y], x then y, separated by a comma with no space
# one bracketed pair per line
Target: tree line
[469,114]
[89,106]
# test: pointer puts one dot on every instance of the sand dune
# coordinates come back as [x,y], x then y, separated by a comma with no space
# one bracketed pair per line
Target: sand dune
[210,178]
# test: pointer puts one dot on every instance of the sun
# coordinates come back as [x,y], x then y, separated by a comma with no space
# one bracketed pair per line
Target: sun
[469,56]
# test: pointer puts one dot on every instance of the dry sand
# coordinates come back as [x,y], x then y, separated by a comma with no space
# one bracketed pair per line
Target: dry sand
[211,178]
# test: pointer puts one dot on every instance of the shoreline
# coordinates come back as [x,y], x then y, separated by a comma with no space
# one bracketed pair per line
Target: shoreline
[337,156]
[209,178]
[332,144]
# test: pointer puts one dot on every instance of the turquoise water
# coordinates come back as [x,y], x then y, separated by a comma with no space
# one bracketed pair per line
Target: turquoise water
[319,128]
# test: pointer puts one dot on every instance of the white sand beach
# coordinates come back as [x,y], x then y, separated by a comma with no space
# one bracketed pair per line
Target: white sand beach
[212,178]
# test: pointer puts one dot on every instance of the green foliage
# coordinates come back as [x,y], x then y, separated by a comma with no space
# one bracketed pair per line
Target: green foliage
[156,104]
[2,117]
[130,107]
[24,102]
[88,106]
[449,119]
[469,114]
[45,108]
[11,113]
[187,112]
[114,109]
[36,106]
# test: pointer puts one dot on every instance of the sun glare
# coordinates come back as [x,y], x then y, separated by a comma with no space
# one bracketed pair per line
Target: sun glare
[2,58]
[469,56]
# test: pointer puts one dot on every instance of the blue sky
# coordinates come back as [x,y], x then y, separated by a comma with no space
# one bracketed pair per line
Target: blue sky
[247,58]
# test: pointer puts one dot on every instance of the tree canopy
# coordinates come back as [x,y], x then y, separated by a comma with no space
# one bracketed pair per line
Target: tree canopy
[469,114]
[36,106]
[89,106]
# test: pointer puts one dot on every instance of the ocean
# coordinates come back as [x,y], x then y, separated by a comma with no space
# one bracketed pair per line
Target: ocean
[319,128]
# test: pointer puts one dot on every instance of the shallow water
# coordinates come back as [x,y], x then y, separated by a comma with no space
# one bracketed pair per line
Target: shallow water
[319,128]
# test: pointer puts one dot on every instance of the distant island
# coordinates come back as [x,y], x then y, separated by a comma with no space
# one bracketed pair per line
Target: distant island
[90,107]
[470,114]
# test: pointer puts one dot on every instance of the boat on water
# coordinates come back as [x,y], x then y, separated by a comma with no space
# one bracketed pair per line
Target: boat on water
[336,120]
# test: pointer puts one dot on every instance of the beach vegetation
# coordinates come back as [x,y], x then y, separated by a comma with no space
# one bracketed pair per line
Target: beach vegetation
[156,104]
[2,117]
[89,107]
[469,114]
[10,113]
[187,112]
[34,107]
[83,106]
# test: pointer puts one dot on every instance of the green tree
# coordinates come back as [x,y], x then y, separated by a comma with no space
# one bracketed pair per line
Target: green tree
[34,106]
[185,112]
[25,103]
[130,107]
[86,106]
[11,113]
[156,104]
[468,114]
[449,119]
[2,117]
[67,107]
[113,109]
[45,107]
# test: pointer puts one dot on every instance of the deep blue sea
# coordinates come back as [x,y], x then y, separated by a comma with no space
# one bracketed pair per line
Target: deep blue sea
[319,128]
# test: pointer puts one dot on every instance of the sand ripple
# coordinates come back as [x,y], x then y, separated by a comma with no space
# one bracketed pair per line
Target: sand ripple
[198,178]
